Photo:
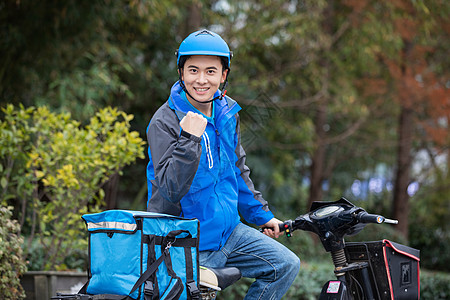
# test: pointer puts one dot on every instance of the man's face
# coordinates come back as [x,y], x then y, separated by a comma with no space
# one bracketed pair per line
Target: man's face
[202,76]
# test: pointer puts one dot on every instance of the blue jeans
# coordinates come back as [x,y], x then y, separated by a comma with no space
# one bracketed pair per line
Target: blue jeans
[257,256]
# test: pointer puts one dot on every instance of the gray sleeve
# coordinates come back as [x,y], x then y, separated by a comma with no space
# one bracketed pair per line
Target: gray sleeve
[175,156]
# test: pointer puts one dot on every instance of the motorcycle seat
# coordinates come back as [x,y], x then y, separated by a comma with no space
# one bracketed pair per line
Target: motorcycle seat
[219,278]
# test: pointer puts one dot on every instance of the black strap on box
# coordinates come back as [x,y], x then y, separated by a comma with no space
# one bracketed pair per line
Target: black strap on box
[194,292]
[174,293]
[187,243]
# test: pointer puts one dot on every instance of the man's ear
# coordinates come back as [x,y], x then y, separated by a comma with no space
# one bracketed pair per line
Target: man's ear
[224,75]
[180,73]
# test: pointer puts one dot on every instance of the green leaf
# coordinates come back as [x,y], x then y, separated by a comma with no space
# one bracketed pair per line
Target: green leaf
[3,182]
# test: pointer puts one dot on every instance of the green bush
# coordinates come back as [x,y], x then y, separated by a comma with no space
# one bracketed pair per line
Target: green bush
[306,286]
[52,171]
[434,285]
[12,264]
[237,291]
[434,245]
[314,274]
[429,229]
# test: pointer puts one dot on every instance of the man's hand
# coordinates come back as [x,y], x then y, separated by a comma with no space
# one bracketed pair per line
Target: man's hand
[272,229]
[194,123]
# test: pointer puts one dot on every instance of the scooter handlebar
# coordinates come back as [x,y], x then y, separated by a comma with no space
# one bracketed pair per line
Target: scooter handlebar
[390,221]
[286,226]
[365,217]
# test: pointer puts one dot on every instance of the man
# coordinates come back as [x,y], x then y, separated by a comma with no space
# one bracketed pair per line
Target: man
[197,170]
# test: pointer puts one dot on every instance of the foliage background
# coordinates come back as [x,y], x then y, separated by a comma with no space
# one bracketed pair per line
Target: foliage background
[12,265]
[53,171]
[339,97]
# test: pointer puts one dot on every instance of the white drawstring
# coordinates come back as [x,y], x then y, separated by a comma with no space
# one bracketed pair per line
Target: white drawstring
[208,150]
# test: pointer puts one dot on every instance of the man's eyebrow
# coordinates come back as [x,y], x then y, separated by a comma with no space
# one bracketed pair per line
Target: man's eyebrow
[208,68]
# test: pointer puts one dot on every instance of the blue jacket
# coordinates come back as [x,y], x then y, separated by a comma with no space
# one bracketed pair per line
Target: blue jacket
[202,177]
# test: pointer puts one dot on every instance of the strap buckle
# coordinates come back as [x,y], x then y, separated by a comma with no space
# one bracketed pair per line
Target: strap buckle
[193,290]
[170,243]
[148,288]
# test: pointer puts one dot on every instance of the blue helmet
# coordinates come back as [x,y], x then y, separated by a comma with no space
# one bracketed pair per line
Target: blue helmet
[204,42]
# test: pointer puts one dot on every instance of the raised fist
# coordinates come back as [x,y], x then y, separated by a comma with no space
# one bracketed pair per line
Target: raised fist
[194,123]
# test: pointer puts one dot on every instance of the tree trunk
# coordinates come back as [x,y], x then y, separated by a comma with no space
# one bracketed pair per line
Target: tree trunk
[111,189]
[193,18]
[318,157]
[402,180]
[405,137]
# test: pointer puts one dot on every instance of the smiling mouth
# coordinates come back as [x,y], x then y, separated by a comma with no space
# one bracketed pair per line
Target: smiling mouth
[201,90]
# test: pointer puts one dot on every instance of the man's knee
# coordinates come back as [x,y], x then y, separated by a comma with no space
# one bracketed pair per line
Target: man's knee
[291,264]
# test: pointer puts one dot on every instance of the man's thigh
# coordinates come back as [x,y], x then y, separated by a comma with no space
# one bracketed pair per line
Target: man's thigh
[254,253]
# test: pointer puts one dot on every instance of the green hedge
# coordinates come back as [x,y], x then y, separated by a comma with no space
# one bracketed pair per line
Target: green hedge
[313,275]
[53,170]
[306,286]
[434,285]
[12,264]
[434,243]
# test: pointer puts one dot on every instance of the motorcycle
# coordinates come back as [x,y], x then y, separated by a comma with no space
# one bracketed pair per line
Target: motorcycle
[378,270]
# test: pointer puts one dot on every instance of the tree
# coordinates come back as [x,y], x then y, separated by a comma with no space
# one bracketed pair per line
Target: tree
[310,59]
[415,85]
[12,263]
[84,56]
[53,169]
[323,78]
